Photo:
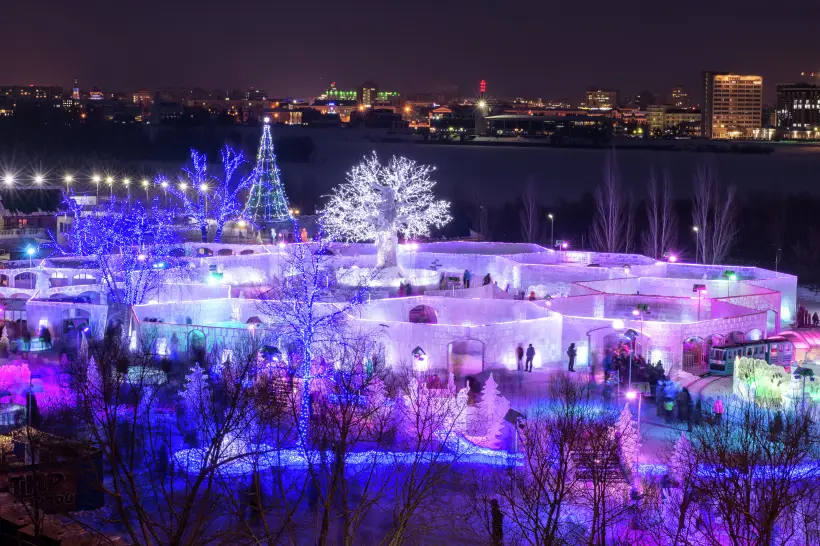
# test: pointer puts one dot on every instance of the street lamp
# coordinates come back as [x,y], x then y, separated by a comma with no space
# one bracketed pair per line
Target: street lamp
[38,179]
[96,179]
[730,277]
[30,251]
[68,179]
[127,182]
[632,395]
[164,185]
[696,229]
[552,229]
[110,181]
[8,179]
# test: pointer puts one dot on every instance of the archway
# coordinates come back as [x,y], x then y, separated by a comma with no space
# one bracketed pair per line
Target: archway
[753,335]
[423,314]
[204,251]
[246,252]
[772,322]
[465,357]
[225,252]
[84,278]
[74,320]
[695,355]
[177,252]
[25,280]
[58,280]
[4,280]
[735,337]
[196,344]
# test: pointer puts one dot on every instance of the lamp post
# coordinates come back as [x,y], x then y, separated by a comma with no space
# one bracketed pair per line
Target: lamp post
[696,229]
[127,183]
[552,230]
[30,251]
[164,185]
[632,395]
[68,179]
[730,277]
[9,180]
[110,181]
[96,179]
[145,185]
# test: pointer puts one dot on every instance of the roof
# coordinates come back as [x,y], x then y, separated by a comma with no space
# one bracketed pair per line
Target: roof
[31,202]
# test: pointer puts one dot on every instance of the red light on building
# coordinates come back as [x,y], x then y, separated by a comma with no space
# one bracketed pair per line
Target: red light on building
[482,86]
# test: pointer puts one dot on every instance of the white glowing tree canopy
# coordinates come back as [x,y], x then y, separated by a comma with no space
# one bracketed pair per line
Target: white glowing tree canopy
[378,202]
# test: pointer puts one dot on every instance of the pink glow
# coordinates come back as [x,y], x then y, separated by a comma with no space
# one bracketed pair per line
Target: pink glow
[673,258]
[565,245]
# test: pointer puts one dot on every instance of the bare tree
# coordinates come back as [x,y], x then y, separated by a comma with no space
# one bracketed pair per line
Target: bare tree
[661,233]
[713,213]
[613,226]
[529,217]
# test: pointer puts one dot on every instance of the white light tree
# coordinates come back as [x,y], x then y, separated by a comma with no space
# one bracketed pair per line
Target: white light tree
[377,202]
[613,225]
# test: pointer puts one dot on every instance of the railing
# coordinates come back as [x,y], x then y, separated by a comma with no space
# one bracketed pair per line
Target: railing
[22,231]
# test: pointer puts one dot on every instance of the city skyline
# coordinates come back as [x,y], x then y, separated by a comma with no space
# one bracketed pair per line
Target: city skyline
[655,50]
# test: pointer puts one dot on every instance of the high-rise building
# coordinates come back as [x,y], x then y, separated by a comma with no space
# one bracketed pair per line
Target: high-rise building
[732,105]
[368,93]
[680,97]
[601,99]
[798,107]
[75,94]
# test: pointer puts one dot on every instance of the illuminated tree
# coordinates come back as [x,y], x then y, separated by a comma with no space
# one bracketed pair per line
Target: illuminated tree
[206,198]
[267,201]
[379,202]
[128,243]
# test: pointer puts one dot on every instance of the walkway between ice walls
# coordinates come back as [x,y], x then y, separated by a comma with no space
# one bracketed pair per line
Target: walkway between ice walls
[592,300]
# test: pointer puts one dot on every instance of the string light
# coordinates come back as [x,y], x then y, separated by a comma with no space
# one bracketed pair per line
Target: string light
[267,201]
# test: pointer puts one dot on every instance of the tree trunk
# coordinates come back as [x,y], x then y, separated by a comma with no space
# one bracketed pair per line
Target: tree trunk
[204,230]
[387,246]
[218,233]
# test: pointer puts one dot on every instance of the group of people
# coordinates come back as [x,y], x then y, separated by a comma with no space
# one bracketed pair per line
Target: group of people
[405,289]
[530,352]
[618,360]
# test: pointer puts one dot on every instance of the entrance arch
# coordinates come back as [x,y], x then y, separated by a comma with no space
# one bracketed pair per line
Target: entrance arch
[423,314]
[196,343]
[465,356]
[695,355]
[25,280]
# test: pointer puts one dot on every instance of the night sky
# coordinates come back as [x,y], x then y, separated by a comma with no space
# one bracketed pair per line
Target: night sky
[526,48]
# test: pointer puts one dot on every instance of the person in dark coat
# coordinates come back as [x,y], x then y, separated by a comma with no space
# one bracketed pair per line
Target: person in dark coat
[697,417]
[571,353]
[519,352]
[497,523]
[530,357]
[466,278]
[815,320]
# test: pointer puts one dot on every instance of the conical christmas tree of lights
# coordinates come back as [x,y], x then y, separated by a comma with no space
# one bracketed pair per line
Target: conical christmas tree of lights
[267,201]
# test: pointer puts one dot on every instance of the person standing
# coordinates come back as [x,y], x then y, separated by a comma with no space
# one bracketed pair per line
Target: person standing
[408,289]
[571,353]
[497,523]
[401,289]
[466,278]
[519,352]
[530,356]
[718,410]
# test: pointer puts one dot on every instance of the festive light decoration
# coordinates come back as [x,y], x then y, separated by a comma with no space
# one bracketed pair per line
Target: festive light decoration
[378,202]
[267,201]
[213,198]
[115,237]
[293,307]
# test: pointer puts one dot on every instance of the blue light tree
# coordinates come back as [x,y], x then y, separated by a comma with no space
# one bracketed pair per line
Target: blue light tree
[211,198]
[127,242]
[267,201]
[296,307]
